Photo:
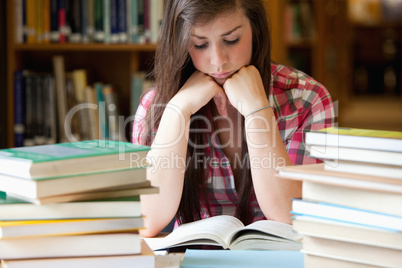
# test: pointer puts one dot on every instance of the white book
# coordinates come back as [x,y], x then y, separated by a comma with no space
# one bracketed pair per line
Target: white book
[13,209]
[24,229]
[356,155]
[364,168]
[353,252]
[40,188]
[70,246]
[373,200]
[368,139]
[144,260]
[347,214]
[133,261]
[348,232]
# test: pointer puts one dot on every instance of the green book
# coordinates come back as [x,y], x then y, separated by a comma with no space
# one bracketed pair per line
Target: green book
[65,159]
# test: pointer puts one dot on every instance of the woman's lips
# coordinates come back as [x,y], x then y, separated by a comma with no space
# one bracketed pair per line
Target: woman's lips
[220,75]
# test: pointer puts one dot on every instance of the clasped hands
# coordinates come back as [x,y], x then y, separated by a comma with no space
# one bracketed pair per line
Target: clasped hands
[244,90]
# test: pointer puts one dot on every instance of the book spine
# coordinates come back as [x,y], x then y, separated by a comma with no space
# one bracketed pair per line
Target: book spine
[106,20]
[24,21]
[90,21]
[133,28]
[54,21]
[80,83]
[84,21]
[72,127]
[74,20]
[122,20]
[46,22]
[141,30]
[19,108]
[99,34]
[39,21]
[29,111]
[61,95]
[137,80]
[31,21]
[50,123]
[39,137]
[147,26]
[112,112]
[93,116]
[18,21]
[62,21]
[103,128]
[114,35]
[156,19]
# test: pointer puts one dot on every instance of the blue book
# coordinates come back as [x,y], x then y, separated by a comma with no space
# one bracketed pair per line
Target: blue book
[121,8]
[347,214]
[114,35]
[242,258]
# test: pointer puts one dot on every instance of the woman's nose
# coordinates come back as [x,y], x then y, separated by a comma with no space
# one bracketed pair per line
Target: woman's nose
[218,56]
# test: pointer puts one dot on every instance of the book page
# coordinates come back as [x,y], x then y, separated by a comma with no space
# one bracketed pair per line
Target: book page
[210,231]
[271,228]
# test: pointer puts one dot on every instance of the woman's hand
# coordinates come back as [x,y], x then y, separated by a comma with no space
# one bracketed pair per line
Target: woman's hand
[245,90]
[198,90]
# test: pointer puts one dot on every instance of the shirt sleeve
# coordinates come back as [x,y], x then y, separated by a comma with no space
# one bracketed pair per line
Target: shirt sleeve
[317,113]
[139,122]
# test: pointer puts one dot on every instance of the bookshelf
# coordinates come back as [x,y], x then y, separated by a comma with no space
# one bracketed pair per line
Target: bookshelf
[326,54]
[310,36]
[335,50]
[109,63]
[3,77]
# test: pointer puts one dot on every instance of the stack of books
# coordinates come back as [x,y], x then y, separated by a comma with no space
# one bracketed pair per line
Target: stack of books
[350,212]
[73,204]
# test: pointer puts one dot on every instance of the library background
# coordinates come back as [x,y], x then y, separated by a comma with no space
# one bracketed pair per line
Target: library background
[57,57]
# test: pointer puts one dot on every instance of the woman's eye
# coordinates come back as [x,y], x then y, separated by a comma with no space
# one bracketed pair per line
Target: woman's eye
[200,46]
[232,42]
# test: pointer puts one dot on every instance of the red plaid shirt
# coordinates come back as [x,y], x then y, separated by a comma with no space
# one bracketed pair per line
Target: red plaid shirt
[300,104]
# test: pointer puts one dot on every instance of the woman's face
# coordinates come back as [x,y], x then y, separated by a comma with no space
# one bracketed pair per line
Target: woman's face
[221,47]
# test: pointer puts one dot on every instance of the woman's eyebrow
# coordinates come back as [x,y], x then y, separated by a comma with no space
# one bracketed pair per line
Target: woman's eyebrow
[225,34]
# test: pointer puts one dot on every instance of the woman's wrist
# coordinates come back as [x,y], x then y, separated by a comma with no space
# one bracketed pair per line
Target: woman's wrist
[257,110]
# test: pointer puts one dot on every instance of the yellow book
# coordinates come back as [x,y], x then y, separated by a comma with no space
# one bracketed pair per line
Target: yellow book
[39,21]
[30,29]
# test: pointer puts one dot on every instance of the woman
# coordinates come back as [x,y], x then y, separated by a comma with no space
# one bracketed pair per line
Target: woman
[225,118]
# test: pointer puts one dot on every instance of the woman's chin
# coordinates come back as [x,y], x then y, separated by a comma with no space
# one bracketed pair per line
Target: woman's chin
[220,81]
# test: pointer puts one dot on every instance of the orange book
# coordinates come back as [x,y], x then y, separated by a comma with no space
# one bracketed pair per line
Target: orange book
[46,21]
[30,28]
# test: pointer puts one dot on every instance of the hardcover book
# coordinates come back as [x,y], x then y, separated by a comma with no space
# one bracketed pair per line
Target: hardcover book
[356,138]
[64,159]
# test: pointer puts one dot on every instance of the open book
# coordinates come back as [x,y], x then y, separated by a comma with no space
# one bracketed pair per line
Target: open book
[230,233]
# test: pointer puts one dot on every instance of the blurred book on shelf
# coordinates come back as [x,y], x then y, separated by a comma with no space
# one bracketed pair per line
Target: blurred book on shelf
[75,21]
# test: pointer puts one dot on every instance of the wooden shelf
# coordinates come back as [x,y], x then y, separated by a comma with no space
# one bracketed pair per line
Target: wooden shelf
[86,47]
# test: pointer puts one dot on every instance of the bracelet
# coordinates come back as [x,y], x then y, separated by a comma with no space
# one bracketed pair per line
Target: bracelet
[253,112]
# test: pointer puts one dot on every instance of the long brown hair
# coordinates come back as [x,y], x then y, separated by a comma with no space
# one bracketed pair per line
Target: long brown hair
[173,66]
